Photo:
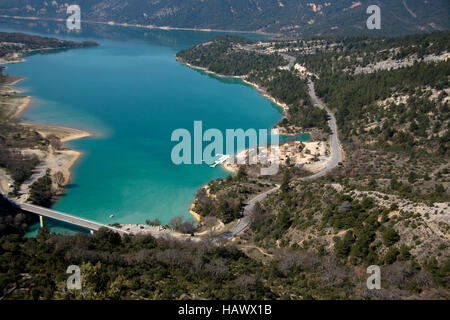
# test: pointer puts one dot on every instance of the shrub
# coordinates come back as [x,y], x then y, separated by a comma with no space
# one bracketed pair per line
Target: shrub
[390,237]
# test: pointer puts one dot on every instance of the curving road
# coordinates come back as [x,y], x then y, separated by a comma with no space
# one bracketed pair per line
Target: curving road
[289,58]
[244,222]
[333,162]
[335,146]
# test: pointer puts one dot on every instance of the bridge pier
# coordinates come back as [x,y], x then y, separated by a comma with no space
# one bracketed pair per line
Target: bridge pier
[42,221]
[44,213]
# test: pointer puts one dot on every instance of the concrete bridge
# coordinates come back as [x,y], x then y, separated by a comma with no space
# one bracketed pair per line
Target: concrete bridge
[48,213]
[60,216]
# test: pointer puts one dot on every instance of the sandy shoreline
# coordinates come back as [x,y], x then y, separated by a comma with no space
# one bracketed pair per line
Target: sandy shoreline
[64,134]
[76,136]
[69,164]
[231,167]
[21,108]
[4,61]
[55,160]
[194,214]
[16,82]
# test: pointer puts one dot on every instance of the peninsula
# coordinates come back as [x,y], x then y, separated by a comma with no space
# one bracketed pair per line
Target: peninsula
[34,163]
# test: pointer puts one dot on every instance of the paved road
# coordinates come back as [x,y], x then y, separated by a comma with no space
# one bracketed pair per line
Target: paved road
[289,58]
[333,162]
[244,222]
[84,223]
[335,146]
[38,173]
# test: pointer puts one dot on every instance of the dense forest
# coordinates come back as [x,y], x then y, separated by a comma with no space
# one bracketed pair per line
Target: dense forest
[11,43]
[288,88]
[219,56]
[359,113]
[13,220]
[141,267]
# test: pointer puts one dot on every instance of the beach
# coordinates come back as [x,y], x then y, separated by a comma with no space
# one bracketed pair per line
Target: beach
[60,160]
[193,213]
[12,104]
[126,172]
[314,156]
[233,167]
[64,134]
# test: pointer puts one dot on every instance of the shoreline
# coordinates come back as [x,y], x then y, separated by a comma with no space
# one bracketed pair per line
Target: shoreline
[63,134]
[127,25]
[4,61]
[232,168]
[15,81]
[226,166]
[193,213]
[261,90]
[66,171]
[21,108]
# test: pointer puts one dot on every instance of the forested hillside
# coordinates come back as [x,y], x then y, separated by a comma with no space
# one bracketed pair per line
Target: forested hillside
[390,96]
[388,202]
[145,268]
[219,56]
[231,56]
[18,42]
[345,17]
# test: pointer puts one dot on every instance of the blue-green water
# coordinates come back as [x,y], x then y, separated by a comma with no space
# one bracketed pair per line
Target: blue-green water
[132,94]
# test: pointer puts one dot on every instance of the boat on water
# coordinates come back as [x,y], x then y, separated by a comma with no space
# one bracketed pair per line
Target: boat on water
[111,215]
[222,159]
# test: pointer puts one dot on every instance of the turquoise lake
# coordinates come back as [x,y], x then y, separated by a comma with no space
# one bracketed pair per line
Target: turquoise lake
[132,94]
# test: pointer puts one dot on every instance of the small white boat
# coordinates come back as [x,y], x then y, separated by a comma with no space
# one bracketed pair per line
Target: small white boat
[221,160]
[111,215]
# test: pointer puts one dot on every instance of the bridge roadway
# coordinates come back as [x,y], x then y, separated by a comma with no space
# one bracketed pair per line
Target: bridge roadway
[84,223]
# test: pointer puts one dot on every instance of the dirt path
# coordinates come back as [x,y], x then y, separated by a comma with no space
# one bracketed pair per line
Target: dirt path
[335,146]
[259,249]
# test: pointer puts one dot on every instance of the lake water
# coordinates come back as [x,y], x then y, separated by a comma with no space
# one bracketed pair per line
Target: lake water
[132,94]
